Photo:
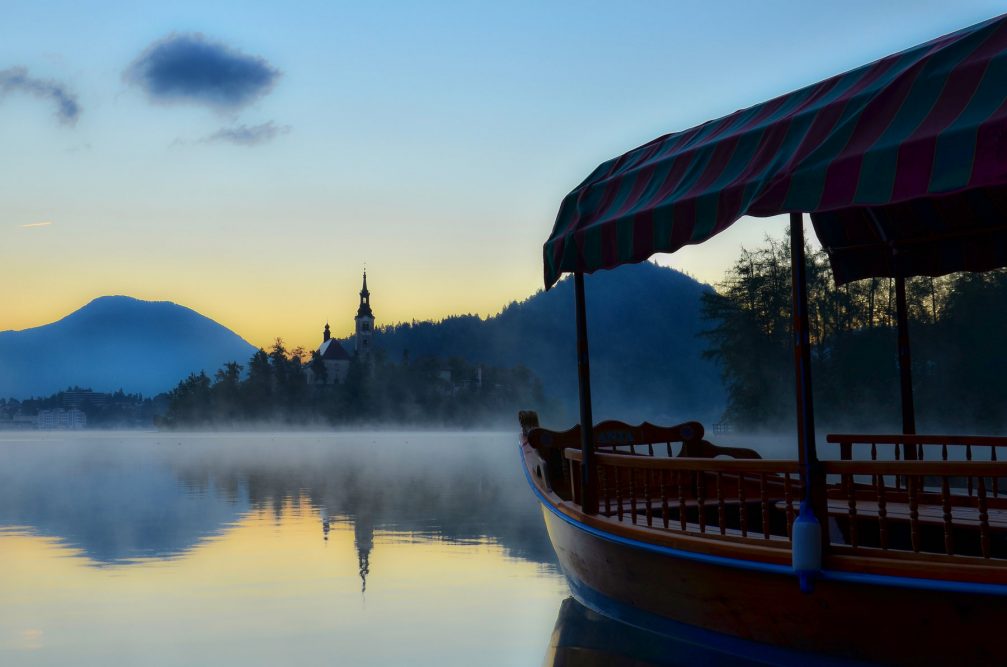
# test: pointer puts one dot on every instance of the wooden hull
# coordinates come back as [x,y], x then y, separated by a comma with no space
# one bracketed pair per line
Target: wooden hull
[870,618]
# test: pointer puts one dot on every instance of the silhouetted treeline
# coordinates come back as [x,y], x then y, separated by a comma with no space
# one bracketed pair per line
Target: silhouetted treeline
[958,324]
[114,410]
[276,390]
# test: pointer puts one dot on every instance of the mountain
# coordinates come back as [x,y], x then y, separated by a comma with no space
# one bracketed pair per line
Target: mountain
[644,329]
[116,342]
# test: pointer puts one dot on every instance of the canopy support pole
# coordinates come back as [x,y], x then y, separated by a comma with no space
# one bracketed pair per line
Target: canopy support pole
[802,347]
[902,320]
[814,480]
[588,479]
[905,361]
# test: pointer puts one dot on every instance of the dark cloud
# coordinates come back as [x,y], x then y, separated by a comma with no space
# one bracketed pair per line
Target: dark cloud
[247,135]
[16,79]
[190,68]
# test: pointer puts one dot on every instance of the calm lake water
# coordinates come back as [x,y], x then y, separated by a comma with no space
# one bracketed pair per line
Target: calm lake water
[303,548]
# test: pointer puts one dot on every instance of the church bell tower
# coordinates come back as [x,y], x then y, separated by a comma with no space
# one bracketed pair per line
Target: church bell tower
[364,321]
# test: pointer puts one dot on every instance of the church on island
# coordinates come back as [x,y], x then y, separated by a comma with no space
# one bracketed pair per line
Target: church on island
[335,362]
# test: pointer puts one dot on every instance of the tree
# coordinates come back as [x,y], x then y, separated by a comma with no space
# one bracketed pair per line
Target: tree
[189,402]
[750,334]
[318,370]
[258,389]
[956,326]
[226,392]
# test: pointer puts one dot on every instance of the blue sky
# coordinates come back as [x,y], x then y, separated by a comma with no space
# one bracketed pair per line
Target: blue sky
[431,141]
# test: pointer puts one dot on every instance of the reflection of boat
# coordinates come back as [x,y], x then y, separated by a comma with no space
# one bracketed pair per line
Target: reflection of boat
[584,638]
[901,558]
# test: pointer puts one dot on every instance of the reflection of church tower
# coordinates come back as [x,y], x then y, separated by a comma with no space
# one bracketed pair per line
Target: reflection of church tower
[363,540]
[364,321]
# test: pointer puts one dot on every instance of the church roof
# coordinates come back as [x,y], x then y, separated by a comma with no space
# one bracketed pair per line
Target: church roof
[331,350]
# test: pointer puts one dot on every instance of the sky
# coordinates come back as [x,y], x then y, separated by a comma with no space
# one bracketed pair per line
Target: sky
[249,159]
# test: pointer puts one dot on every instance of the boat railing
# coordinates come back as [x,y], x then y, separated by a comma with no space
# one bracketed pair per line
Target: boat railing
[746,499]
[929,509]
[918,447]
[953,508]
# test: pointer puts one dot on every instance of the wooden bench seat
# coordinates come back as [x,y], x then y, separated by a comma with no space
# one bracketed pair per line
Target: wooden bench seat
[928,514]
[673,504]
[965,517]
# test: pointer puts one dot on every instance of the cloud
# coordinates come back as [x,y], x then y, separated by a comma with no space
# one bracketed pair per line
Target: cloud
[247,135]
[45,223]
[189,68]
[16,79]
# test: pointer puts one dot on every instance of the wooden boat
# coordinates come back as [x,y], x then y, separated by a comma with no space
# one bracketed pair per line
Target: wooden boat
[889,548]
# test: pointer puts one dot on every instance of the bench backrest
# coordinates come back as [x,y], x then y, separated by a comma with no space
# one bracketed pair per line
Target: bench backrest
[612,434]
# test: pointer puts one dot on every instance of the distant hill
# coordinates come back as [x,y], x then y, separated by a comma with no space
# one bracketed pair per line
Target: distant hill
[116,342]
[646,354]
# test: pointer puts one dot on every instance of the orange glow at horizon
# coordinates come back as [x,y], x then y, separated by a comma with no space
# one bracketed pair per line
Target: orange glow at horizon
[261,304]
[295,315]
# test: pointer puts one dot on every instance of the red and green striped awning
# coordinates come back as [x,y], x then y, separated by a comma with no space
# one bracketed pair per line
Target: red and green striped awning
[905,157]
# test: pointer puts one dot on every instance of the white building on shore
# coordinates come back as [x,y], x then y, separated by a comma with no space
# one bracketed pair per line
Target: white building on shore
[61,420]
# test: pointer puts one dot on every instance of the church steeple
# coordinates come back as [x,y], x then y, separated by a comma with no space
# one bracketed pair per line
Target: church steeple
[325,334]
[364,321]
[365,300]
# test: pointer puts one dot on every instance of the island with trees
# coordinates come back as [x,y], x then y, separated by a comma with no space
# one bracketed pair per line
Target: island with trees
[274,390]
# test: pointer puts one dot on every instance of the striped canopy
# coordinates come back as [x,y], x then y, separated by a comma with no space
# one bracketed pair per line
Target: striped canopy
[903,161]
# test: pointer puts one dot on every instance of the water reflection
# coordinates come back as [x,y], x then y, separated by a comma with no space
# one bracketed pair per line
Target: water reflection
[363,540]
[115,503]
[123,497]
[269,591]
[583,638]
[263,549]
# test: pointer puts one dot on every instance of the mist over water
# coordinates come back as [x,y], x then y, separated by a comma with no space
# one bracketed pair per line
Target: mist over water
[120,496]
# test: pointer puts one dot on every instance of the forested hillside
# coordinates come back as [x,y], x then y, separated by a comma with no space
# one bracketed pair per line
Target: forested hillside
[646,349]
[958,324]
